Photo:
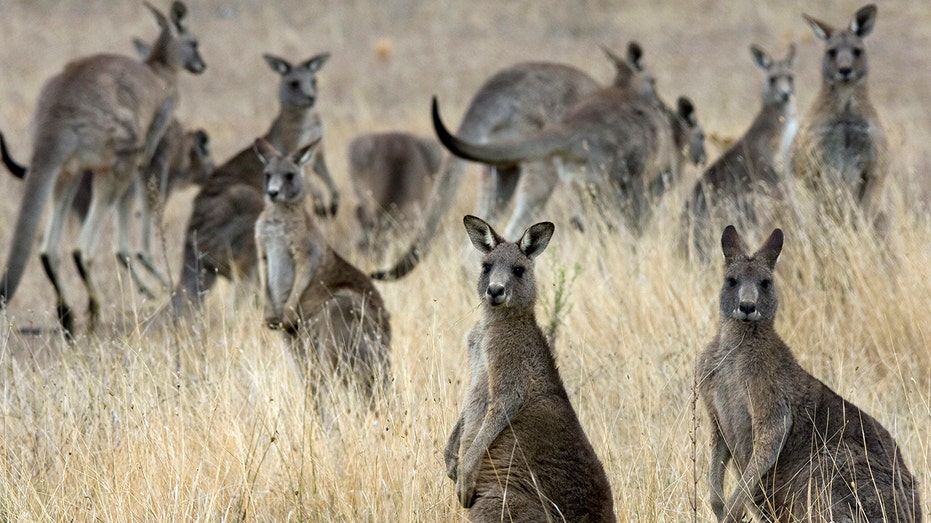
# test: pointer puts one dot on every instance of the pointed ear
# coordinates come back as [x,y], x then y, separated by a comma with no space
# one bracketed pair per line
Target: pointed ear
[305,154]
[178,13]
[732,245]
[279,65]
[615,59]
[623,70]
[315,63]
[483,237]
[635,55]
[142,49]
[536,238]
[790,56]
[265,150]
[761,58]
[770,250]
[686,110]
[159,17]
[863,20]
[202,139]
[822,30]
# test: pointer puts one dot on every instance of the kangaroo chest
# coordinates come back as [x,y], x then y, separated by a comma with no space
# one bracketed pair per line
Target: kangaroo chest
[279,260]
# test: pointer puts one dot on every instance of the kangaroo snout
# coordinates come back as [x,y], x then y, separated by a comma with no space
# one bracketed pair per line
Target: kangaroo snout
[495,293]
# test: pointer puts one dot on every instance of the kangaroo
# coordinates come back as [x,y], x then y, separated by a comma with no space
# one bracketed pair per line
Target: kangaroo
[518,449]
[630,148]
[753,164]
[180,159]
[801,451]
[515,101]
[392,174]
[106,114]
[334,318]
[220,237]
[841,145]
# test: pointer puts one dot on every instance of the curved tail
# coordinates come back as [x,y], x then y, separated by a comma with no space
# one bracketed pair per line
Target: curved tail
[15,168]
[39,182]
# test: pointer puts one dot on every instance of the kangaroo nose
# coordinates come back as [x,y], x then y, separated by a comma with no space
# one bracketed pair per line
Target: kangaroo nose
[495,293]
[272,193]
[746,308]
[845,71]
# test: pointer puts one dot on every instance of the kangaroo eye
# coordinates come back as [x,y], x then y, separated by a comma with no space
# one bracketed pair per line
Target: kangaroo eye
[486,268]
[832,53]
[857,52]
[289,177]
[731,282]
[268,177]
[295,84]
[766,284]
[518,271]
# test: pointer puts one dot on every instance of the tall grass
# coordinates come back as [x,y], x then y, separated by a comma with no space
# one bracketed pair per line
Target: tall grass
[208,420]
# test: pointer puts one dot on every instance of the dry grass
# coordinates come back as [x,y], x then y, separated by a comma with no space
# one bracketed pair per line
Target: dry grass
[209,422]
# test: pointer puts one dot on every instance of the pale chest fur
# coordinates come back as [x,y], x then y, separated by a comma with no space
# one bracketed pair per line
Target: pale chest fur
[276,230]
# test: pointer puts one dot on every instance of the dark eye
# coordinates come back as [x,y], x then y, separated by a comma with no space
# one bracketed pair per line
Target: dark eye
[486,268]
[772,80]
[518,271]
[832,53]
[731,282]
[289,176]
[295,84]
[766,284]
[268,177]
[857,52]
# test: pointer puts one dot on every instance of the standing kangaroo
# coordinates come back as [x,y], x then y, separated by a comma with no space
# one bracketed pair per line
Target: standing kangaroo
[752,166]
[334,318]
[220,238]
[392,174]
[841,146]
[518,450]
[180,159]
[104,114]
[515,101]
[800,450]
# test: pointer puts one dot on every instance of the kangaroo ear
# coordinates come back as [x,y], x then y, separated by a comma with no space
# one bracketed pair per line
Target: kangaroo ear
[760,57]
[265,150]
[279,65]
[770,250]
[623,70]
[635,55]
[732,245]
[686,110]
[483,237]
[822,30]
[202,139]
[178,13]
[315,63]
[863,20]
[143,49]
[306,153]
[536,238]
[159,17]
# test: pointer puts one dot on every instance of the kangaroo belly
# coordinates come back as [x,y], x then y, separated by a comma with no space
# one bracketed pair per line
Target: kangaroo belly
[280,277]
[848,148]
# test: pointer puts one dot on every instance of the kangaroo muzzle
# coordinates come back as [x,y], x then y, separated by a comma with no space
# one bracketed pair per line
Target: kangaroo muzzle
[495,293]
[746,309]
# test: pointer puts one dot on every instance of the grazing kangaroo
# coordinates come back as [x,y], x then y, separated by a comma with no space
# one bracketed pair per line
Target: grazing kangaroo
[800,450]
[753,165]
[392,174]
[104,114]
[518,450]
[515,101]
[841,145]
[180,159]
[334,318]
[220,239]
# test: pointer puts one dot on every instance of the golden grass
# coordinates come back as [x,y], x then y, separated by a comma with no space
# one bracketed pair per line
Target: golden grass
[209,421]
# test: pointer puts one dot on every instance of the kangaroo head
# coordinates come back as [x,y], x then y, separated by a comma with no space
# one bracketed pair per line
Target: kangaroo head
[199,162]
[176,46]
[284,174]
[748,293]
[631,72]
[844,60]
[298,87]
[779,85]
[507,280]
[687,132]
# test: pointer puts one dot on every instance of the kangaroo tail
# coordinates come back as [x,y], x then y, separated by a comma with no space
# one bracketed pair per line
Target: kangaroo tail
[15,168]
[39,182]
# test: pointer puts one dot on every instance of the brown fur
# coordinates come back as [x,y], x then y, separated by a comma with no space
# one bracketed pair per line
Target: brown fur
[841,146]
[799,449]
[752,168]
[518,451]
[220,234]
[392,174]
[333,317]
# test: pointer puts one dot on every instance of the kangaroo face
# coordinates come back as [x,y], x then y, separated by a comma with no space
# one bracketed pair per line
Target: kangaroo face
[779,83]
[283,174]
[181,47]
[844,61]
[298,87]
[688,133]
[748,294]
[631,72]
[507,279]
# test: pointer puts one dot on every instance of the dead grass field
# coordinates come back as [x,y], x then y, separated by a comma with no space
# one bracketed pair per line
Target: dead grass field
[109,429]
